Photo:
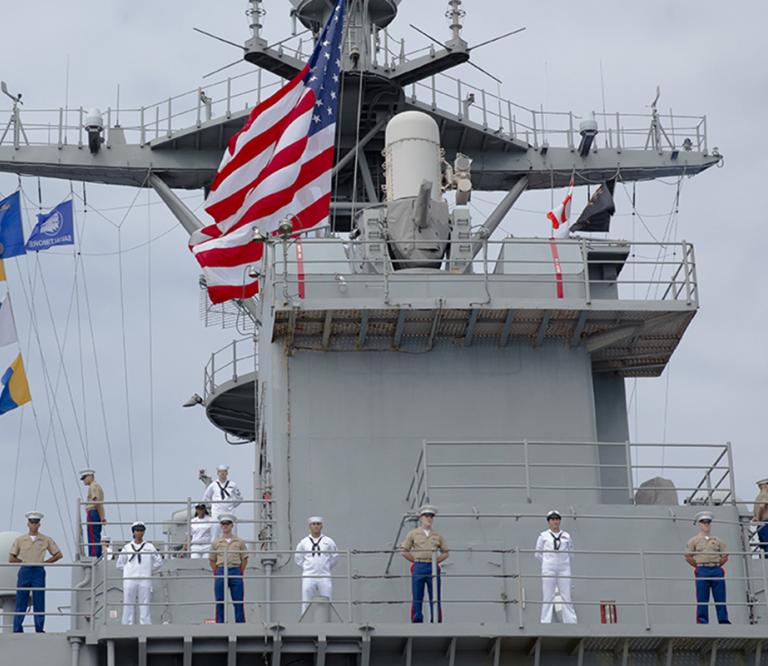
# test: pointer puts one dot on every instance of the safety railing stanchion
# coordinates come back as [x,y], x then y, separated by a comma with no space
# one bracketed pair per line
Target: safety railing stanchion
[765,579]
[732,480]
[628,461]
[435,599]
[92,572]
[645,592]
[425,462]
[349,586]
[527,472]
[518,574]
[226,585]
[189,527]
[78,531]
[105,591]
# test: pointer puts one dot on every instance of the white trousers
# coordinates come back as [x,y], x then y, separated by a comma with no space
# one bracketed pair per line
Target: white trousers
[312,587]
[556,578]
[198,550]
[136,591]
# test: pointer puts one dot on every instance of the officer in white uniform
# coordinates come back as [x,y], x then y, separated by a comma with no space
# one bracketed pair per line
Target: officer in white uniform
[316,555]
[201,528]
[223,496]
[553,549]
[139,560]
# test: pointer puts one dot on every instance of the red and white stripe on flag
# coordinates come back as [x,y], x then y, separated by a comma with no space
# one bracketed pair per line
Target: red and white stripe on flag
[559,216]
[278,166]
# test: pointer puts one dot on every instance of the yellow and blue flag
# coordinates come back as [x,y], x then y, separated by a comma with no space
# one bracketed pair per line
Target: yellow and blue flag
[2,271]
[56,227]
[11,232]
[15,389]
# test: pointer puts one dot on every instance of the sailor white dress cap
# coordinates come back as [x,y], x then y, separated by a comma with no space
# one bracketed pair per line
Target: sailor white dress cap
[428,508]
[315,519]
[227,518]
[85,472]
[222,468]
[138,525]
[702,515]
[762,481]
[33,515]
[553,514]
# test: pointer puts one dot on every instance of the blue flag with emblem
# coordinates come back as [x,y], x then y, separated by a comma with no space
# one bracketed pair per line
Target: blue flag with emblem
[53,228]
[11,233]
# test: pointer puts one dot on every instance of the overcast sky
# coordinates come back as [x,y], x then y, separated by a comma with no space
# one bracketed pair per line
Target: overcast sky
[706,60]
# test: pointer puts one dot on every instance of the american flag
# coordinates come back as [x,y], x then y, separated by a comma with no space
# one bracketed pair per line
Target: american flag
[278,166]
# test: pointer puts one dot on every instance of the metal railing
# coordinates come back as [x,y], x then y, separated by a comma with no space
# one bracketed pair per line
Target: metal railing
[176,530]
[531,268]
[229,364]
[236,94]
[439,461]
[496,585]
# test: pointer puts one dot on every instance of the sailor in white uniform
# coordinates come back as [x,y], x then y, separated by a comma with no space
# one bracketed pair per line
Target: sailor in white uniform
[139,560]
[553,549]
[201,528]
[316,555]
[223,496]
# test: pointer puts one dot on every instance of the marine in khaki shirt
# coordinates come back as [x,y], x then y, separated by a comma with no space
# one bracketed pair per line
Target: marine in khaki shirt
[420,544]
[707,554]
[418,548]
[231,551]
[29,549]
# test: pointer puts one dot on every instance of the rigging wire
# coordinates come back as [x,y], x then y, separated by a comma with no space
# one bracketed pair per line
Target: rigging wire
[150,359]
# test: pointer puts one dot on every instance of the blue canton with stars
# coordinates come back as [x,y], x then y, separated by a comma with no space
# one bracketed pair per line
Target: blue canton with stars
[325,71]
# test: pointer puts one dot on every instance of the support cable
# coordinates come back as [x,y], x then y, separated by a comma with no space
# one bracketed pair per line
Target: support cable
[150,359]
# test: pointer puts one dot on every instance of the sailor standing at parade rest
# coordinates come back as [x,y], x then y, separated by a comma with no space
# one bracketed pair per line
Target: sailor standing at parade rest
[139,560]
[231,552]
[223,496]
[94,512]
[28,550]
[200,530]
[316,555]
[418,548]
[554,550]
[707,554]
[760,515]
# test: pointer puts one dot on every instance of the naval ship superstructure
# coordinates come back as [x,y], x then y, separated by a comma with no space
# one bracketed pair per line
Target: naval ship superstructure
[411,354]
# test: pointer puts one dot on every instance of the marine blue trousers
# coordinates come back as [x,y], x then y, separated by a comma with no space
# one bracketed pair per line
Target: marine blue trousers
[29,577]
[236,591]
[93,533]
[710,578]
[762,534]
[421,577]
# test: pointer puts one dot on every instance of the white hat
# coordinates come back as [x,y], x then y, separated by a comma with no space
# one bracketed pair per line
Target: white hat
[315,519]
[222,468]
[138,525]
[85,472]
[428,508]
[702,515]
[33,515]
[762,481]
[553,514]
[227,518]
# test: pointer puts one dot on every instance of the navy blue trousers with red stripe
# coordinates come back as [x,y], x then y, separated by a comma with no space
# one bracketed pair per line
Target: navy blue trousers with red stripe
[93,533]
[421,577]
[710,578]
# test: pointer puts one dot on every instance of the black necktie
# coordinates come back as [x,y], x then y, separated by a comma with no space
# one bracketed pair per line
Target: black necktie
[223,490]
[136,552]
[315,546]
[556,540]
